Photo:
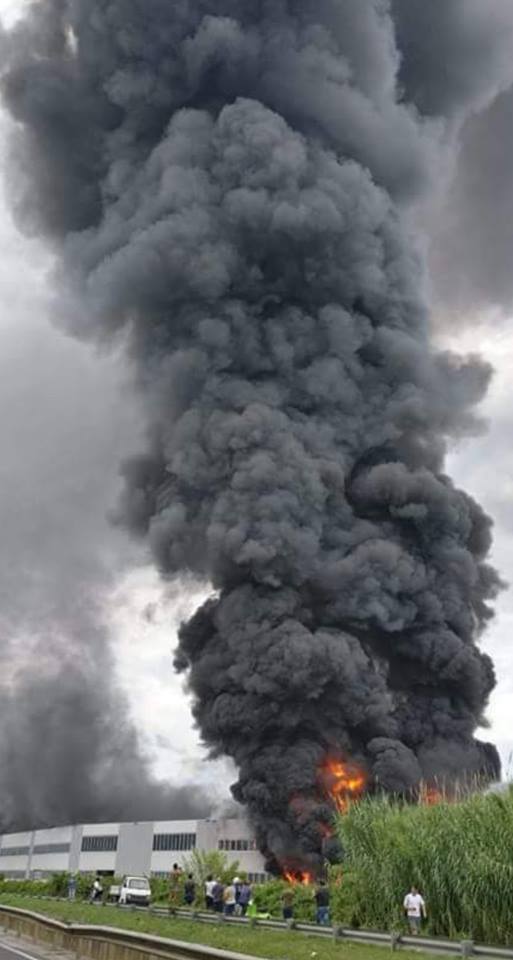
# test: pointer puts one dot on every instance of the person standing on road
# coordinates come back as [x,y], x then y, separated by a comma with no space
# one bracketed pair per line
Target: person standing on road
[175,887]
[230,899]
[97,891]
[287,901]
[415,910]
[209,887]
[237,882]
[244,898]
[322,900]
[189,891]
[217,896]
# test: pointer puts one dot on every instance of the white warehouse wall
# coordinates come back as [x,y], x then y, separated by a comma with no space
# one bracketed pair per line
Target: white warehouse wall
[51,851]
[139,848]
[15,864]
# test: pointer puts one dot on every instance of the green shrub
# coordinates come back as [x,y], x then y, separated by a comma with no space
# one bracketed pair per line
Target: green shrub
[159,889]
[58,885]
[26,888]
[460,855]
[215,863]
[268,899]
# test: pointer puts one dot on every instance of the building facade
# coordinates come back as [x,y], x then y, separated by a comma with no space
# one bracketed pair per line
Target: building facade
[127,848]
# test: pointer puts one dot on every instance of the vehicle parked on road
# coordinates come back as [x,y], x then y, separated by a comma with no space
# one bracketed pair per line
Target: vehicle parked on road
[135,891]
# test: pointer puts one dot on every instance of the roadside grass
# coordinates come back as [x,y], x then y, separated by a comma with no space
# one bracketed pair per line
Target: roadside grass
[275,945]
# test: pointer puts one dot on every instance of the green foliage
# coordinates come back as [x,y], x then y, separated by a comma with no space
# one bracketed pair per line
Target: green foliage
[215,863]
[268,898]
[159,889]
[27,888]
[58,885]
[460,855]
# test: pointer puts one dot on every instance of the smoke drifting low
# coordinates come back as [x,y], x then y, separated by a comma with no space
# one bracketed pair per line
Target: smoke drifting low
[229,183]
[68,751]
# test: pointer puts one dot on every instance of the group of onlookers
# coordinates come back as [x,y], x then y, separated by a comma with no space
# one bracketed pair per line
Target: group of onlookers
[232,899]
[235,897]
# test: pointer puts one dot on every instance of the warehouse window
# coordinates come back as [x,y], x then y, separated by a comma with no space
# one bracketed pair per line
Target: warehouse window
[174,841]
[238,845]
[52,848]
[14,851]
[99,844]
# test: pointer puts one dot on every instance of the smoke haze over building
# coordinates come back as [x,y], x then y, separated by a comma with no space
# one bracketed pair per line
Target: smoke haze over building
[234,188]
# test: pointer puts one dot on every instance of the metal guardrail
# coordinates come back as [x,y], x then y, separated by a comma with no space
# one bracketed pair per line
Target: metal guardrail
[179,950]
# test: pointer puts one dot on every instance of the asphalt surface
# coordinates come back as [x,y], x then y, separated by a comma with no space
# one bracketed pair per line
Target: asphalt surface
[12,948]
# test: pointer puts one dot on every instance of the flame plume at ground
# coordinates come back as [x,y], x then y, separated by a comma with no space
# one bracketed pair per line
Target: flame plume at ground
[343,782]
[429,796]
[298,877]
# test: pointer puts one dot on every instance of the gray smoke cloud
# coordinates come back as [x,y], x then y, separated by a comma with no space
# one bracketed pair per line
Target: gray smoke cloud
[473,241]
[456,64]
[228,183]
[68,751]
[455,57]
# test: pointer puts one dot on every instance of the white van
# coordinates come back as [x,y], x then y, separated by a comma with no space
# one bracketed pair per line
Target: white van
[135,890]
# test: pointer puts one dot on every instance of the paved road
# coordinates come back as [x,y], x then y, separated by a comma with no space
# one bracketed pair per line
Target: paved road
[11,952]
[12,949]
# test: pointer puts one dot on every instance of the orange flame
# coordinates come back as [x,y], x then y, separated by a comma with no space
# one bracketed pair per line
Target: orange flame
[344,782]
[429,796]
[300,877]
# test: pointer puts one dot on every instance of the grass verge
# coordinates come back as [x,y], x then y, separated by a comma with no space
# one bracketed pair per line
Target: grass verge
[257,943]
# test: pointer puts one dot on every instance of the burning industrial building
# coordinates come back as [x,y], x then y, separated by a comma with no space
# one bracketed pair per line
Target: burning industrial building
[231,186]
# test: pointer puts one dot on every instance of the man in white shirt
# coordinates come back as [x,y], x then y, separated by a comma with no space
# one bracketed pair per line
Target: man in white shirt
[209,890]
[415,909]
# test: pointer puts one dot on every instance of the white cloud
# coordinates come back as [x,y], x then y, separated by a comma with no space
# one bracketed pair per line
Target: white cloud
[11,10]
[144,616]
[484,467]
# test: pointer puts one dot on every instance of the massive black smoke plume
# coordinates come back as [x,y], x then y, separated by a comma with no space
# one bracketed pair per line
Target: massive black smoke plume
[230,183]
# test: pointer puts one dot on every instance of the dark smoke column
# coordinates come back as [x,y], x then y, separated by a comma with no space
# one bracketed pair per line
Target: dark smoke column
[228,182]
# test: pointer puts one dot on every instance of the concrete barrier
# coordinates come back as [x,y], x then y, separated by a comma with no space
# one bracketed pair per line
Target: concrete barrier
[104,943]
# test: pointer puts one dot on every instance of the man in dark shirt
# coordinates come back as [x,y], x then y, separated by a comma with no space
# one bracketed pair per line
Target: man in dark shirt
[217,896]
[322,899]
[189,890]
[288,904]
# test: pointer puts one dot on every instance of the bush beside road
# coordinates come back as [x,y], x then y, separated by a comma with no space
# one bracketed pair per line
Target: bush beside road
[459,855]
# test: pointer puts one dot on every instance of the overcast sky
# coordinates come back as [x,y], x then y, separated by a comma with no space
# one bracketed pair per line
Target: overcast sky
[66,422]
[60,449]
